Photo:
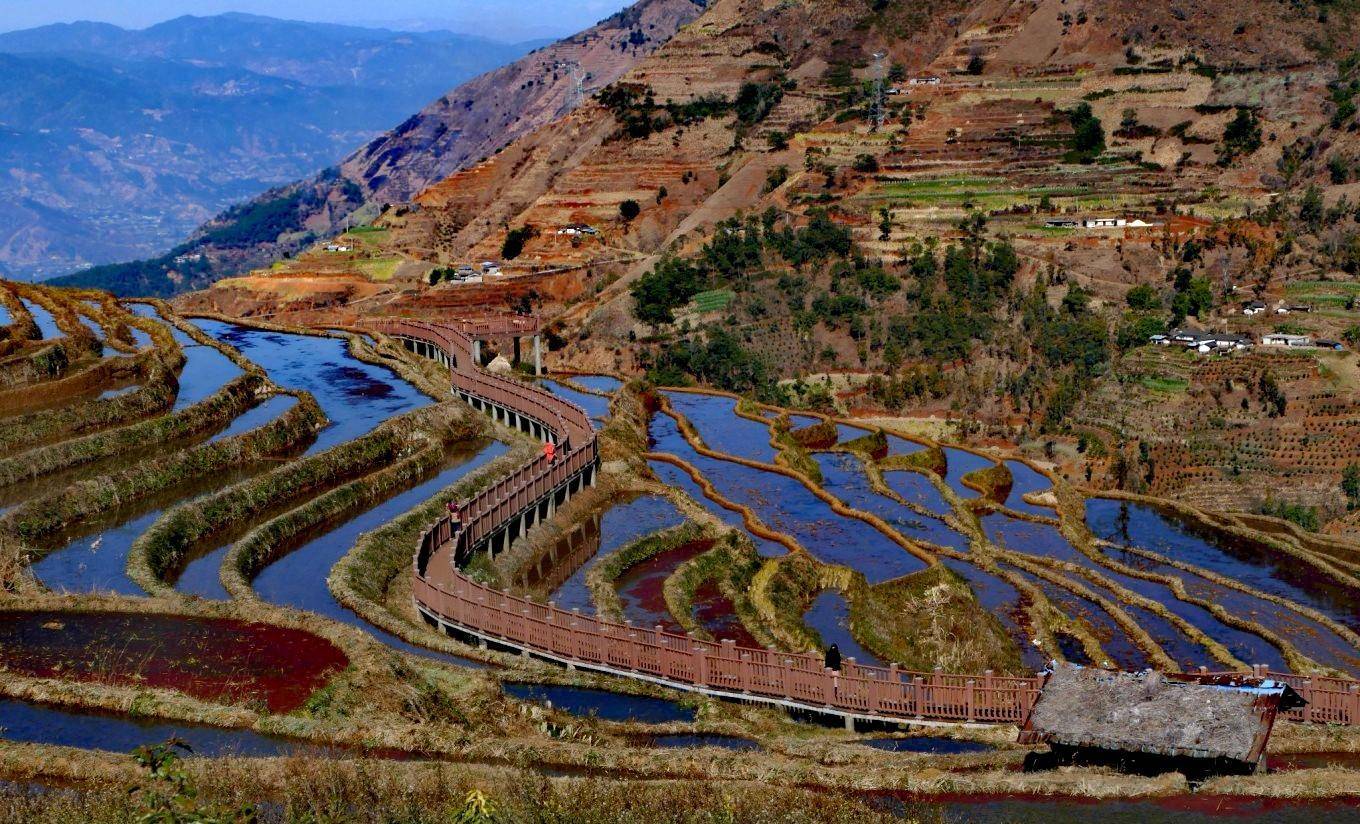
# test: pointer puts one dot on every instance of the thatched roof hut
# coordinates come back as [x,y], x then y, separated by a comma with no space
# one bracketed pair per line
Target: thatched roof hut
[1225,718]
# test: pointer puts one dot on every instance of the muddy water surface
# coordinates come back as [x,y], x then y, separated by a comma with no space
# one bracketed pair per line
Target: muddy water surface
[641,587]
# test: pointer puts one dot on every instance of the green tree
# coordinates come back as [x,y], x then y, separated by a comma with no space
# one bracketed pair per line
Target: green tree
[514,242]
[1143,298]
[1088,135]
[1350,483]
[1311,208]
[1242,136]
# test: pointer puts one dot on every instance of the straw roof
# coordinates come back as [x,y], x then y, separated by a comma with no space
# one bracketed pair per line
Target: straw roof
[1150,712]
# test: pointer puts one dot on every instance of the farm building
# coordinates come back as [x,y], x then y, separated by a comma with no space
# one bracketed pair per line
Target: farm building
[1157,721]
[1281,339]
[1255,307]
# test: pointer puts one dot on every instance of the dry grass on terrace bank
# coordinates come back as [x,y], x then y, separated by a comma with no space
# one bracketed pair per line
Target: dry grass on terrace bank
[267,542]
[369,791]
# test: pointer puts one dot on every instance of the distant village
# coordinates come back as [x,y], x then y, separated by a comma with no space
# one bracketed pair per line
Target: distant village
[1204,342]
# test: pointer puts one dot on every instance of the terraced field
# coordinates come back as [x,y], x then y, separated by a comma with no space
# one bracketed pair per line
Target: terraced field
[208,533]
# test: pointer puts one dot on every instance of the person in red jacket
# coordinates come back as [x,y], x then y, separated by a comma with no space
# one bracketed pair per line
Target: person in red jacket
[550,451]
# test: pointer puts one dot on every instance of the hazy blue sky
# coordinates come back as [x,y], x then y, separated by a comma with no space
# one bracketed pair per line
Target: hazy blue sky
[502,19]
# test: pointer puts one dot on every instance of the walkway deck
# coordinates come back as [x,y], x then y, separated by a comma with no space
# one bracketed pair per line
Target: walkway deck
[494,517]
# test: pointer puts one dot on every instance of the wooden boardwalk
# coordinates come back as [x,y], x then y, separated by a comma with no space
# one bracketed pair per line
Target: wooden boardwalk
[494,517]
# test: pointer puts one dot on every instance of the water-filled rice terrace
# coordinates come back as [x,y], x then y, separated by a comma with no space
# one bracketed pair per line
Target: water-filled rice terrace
[206,530]
[1115,582]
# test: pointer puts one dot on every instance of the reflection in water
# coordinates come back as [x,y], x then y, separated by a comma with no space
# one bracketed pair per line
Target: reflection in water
[786,505]
[960,462]
[719,426]
[1025,479]
[830,616]
[621,524]
[355,396]
[594,405]
[40,724]
[47,325]
[607,706]
[298,579]
[1045,541]
[843,475]
[1256,565]
[673,476]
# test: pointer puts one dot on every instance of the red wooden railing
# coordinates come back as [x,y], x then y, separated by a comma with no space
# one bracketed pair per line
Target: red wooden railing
[446,595]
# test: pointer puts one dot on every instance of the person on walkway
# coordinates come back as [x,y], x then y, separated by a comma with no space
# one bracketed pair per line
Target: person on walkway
[550,451]
[833,658]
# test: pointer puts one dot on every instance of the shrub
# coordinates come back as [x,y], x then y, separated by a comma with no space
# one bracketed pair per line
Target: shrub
[514,242]
[1088,135]
[629,209]
[1241,137]
[1143,298]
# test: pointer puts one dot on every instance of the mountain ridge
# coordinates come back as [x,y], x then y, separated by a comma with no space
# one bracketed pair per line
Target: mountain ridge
[461,126]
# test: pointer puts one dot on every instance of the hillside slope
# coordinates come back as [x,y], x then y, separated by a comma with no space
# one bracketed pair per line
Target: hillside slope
[466,124]
[753,228]
[117,143]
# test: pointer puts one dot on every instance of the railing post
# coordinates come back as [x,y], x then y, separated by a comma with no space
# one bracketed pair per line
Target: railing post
[700,663]
[746,672]
[968,700]
[919,687]
[829,686]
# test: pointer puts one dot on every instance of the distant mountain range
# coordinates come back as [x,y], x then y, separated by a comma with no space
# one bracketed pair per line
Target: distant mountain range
[450,130]
[116,143]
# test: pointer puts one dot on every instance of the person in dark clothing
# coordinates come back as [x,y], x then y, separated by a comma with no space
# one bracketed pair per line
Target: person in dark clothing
[833,658]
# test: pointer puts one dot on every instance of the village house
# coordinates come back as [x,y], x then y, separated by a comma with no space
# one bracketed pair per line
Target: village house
[1282,339]
[1203,342]
[1060,223]
[1103,222]
[1254,307]
[575,229]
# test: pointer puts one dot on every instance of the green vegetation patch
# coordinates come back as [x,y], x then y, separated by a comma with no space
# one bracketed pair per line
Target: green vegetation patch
[713,300]
[1158,383]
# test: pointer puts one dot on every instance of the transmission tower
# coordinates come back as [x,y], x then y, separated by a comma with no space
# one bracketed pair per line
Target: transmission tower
[576,93]
[877,108]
